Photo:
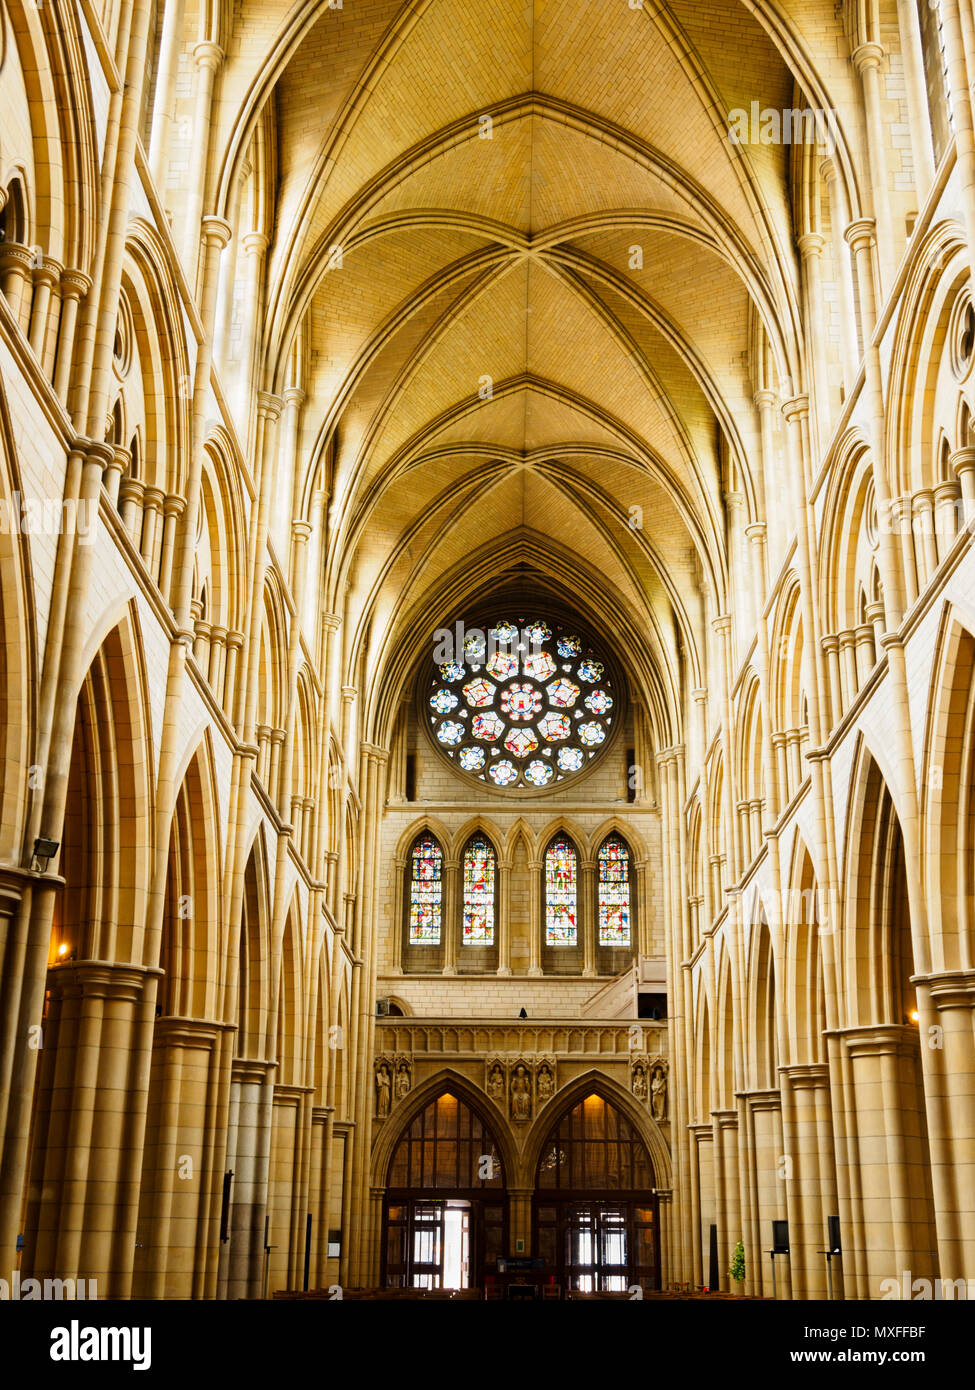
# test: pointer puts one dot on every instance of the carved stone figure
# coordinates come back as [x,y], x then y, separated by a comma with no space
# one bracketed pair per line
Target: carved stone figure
[403,1081]
[545,1084]
[383,1089]
[638,1081]
[658,1091]
[521,1096]
[495,1084]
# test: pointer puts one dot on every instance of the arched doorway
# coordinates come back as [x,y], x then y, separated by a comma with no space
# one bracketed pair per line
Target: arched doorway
[596,1219]
[444,1212]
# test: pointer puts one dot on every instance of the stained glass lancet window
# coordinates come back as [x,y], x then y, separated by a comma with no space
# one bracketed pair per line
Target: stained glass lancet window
[478,893]
[426,889]
[560,893]
[614,893]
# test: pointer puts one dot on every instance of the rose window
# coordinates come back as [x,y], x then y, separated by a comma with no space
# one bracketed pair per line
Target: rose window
[521,704]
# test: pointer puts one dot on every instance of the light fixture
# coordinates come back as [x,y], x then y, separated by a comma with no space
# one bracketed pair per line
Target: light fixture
[914,1015]
[44,852]
[63,949]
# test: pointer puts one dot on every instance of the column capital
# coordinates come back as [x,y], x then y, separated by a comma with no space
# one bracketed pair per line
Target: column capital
[868,55]
[962,461]
[860,234]
[373,751]
[294,396]
[208,54]
[949,989]
[349,692]
[796,408]
[254,243]
[764,399]
[331,621]
[216,231]
[756,532]
[878,1039]
[269,405]
[722,623]
[75,284]
[301,529]
[811,244]
[48,271]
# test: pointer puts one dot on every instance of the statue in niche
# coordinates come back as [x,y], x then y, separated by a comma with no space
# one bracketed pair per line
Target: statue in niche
[383,1091]
[658,1093]
[403,1080]
[545,1084]
[521,1096]
[638,1081]
[495,1084]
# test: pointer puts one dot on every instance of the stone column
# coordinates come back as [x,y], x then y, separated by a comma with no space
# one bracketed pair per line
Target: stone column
[868,60]
[838,216]
[946,1003]
[504,917]
[75,284]
[207,58]
[959,95]
[164,104]
[16,280]
[536,921]
[451,913]
[963,463]
[43,316]
[587,918]
[254,246]
[811,246]
[912,58]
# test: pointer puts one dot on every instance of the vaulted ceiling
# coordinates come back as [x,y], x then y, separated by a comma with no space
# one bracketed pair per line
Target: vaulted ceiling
[535,285]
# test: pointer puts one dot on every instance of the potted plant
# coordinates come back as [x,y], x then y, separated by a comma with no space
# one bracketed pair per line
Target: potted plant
[736,1270]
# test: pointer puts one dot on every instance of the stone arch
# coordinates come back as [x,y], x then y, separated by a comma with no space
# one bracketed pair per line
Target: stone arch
[877,939]
[761,1028]
[254,955]
[724,1026]
[589,1083]
[18,655]
[948,797]
[804,986]
[106,891]
[403,1115]
[190,946]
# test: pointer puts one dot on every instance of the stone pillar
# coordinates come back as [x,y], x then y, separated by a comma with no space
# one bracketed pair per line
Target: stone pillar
[587,918]
[504,917]
[16,280]
[963,463]
[946,1003]
[868,60]
[811,246]
[43,316]
[536,919]
[164,104]
[838,216]
[959,95]
[912,58]
[75,284]
[207,58]
[451,913]
[248,1154]
[254,246]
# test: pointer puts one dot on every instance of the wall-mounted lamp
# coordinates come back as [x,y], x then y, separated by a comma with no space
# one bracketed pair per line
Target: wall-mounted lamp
[44,852]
